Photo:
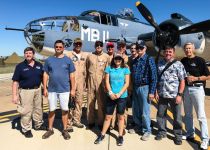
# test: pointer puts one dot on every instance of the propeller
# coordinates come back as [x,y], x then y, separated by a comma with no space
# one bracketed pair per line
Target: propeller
[168,37]
[147,15]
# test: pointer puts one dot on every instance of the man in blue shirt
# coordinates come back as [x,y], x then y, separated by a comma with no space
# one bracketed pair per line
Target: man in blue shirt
[26,92]
[144,75]
[59,70]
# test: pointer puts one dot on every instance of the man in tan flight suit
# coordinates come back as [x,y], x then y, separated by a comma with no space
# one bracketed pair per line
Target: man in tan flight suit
[121,48]
[110,50]
[96,63]
[79,59]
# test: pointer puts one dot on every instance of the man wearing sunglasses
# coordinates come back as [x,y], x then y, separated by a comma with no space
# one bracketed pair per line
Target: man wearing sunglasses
[144,75]
[59,70]
[79,59]
[96,63]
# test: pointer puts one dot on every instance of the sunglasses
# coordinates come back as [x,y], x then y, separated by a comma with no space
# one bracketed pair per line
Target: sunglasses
[140,48]
[97,45]
[58,46]
[77,44]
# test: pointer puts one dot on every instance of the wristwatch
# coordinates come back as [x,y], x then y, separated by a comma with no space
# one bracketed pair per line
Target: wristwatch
[180,94]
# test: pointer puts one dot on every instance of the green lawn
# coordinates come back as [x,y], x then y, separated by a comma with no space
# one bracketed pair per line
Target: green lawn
[6,69]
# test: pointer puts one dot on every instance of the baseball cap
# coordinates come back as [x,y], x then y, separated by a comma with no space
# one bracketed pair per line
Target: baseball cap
[97,43]
[140,43]
[77,40]
[110,44]
[118,55]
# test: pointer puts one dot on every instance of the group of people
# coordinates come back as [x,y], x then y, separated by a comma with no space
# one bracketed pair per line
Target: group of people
[111,79]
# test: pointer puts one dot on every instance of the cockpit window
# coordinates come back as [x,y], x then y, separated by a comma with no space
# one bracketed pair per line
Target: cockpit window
[65,24]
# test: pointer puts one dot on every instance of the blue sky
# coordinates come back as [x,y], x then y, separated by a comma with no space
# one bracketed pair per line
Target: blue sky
[17,13]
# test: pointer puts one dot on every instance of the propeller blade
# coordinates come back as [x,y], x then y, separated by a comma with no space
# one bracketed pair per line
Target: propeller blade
[14,29]
[147,15]
[197,27]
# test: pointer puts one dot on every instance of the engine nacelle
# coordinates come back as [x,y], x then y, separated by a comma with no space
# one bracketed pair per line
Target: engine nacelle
[171,28]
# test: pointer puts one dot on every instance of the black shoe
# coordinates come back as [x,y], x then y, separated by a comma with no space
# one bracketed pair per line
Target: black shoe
[120,141]
[99,139]
[66,135]
[48,134]
[28,134]
[178,142]
[70,129]
[90,126]
[159,137]
[42,127]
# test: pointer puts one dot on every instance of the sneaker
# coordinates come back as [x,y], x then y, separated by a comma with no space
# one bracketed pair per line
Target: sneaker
[70,129]
[146,136]
[48,134]
[131,131]
[189,138]
[66,135]
[120,141]
[28,134]
[204,144]
[78,125]
[99,139]
[136,129]
[159,137]
[178,142]
[42,127]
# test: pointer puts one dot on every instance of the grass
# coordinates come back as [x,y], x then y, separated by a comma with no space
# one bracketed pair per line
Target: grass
[7,69]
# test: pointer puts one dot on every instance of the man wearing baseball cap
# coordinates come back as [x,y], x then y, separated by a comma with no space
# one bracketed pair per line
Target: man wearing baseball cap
[144,75]
[79,59]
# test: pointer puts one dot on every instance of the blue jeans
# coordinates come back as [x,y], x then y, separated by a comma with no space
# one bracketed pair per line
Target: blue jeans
[195,96]
[141,108]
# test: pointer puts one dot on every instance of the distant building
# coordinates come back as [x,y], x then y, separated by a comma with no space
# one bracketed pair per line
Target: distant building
[13,59]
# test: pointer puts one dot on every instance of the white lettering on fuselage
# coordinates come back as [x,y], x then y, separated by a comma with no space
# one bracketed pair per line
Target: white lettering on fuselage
[94,35]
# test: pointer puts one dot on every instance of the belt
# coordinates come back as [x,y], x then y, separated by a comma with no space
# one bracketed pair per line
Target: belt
[142,85]
[196,84]
[31,88]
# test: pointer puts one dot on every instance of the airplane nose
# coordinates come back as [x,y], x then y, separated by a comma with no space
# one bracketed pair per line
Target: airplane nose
[36,40]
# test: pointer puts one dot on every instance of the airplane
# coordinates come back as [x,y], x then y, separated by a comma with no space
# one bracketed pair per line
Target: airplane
[95,25]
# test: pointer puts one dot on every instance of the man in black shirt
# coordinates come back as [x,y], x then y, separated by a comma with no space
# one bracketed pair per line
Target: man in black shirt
[194,95]
[26,92]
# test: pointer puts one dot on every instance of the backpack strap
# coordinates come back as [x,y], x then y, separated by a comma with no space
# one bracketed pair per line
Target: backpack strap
[166,67]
